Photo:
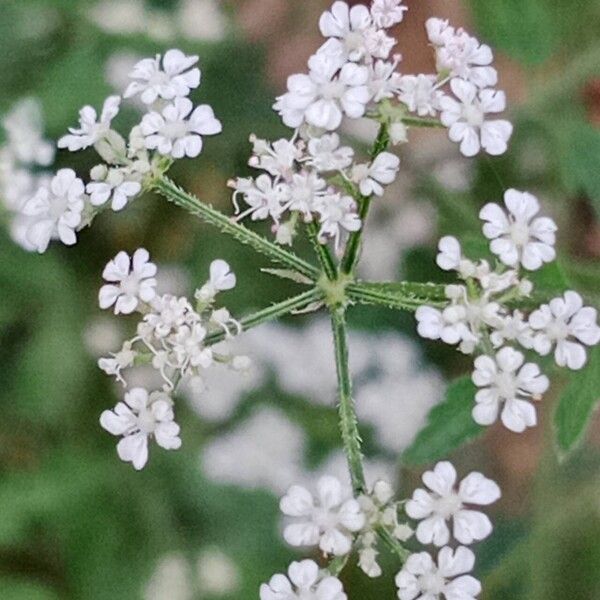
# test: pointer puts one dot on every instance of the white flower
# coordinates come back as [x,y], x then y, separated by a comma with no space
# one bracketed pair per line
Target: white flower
[221,279]
[91,130]
[303,582]
[264,197]
[450,257]
[139,417]
[327,520]
[277,158]
[371,178]
[439,31]
[445,502]
[467,122]
[463,56]
[113,186]
[176,131]
[384,80]
[420,94]
[512,328]
[57,208]
[120,360]
[347,27]
[422,579]
[321,98]
[569,326]
[24,133]
[519,237]
[327,155]
[508,385]
[174,80]
[131,281]
[305,190]
[336,212]
[387,13]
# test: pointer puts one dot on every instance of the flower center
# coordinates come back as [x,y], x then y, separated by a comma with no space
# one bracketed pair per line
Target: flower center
[175,129]
[335,213]
[473,115]
[324,519]
[557,330]
[130,285]
[519,233]
[58,206]
[159,78]
[354,41]
[507,385]
[333,90]
[432,583]
[146,422]
[449,505]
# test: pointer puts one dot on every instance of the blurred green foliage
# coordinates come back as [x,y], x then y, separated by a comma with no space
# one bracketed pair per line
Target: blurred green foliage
[76,523]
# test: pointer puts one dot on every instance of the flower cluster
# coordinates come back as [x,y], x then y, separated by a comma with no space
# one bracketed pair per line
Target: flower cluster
[295,184]
[421,576]
[172,336]
[336,522]
[171,128]
[23,154]
[478,317]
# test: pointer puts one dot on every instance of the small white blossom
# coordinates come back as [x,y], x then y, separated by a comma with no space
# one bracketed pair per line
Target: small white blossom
[174,79]
[221,279]
[277,158]
[422,579]
[450,258]
[56,208]
[322,97]
[336,213]
[466,118]
[306,189]
[346,26]
[264,198]
[303,582]
[371,178]
[327,520]
[444,502]
[420,94]
[113,185]
[326,154]
[519,237]
[567,326]
[387,13]
[507,387]
[91,130]
[138,418]
[131,281]
[512,328]
[177,130]
[118,361]
[384,80]
[460,55]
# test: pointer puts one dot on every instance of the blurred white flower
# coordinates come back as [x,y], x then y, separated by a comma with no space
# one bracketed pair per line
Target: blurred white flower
[218,575]
[171,580]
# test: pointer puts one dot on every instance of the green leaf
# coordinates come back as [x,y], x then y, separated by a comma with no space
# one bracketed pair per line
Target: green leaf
[576,405]
[550,279]
[526,31]
[12,588]
[449,425]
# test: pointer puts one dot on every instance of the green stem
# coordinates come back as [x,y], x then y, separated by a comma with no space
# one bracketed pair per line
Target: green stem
[322,251]
[270,313]
[418,122]
[348,421]
[207,213]
[350,257]
[392,543]
[405,295]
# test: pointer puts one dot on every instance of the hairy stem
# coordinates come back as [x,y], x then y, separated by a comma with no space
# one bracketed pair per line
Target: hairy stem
[348,421]
[420,122]
[322,251]
[400,296]
[207,213]
[270,313]
[351,254]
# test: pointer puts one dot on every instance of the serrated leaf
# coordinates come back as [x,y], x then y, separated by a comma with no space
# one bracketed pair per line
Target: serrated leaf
[577,403]
[449,425]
